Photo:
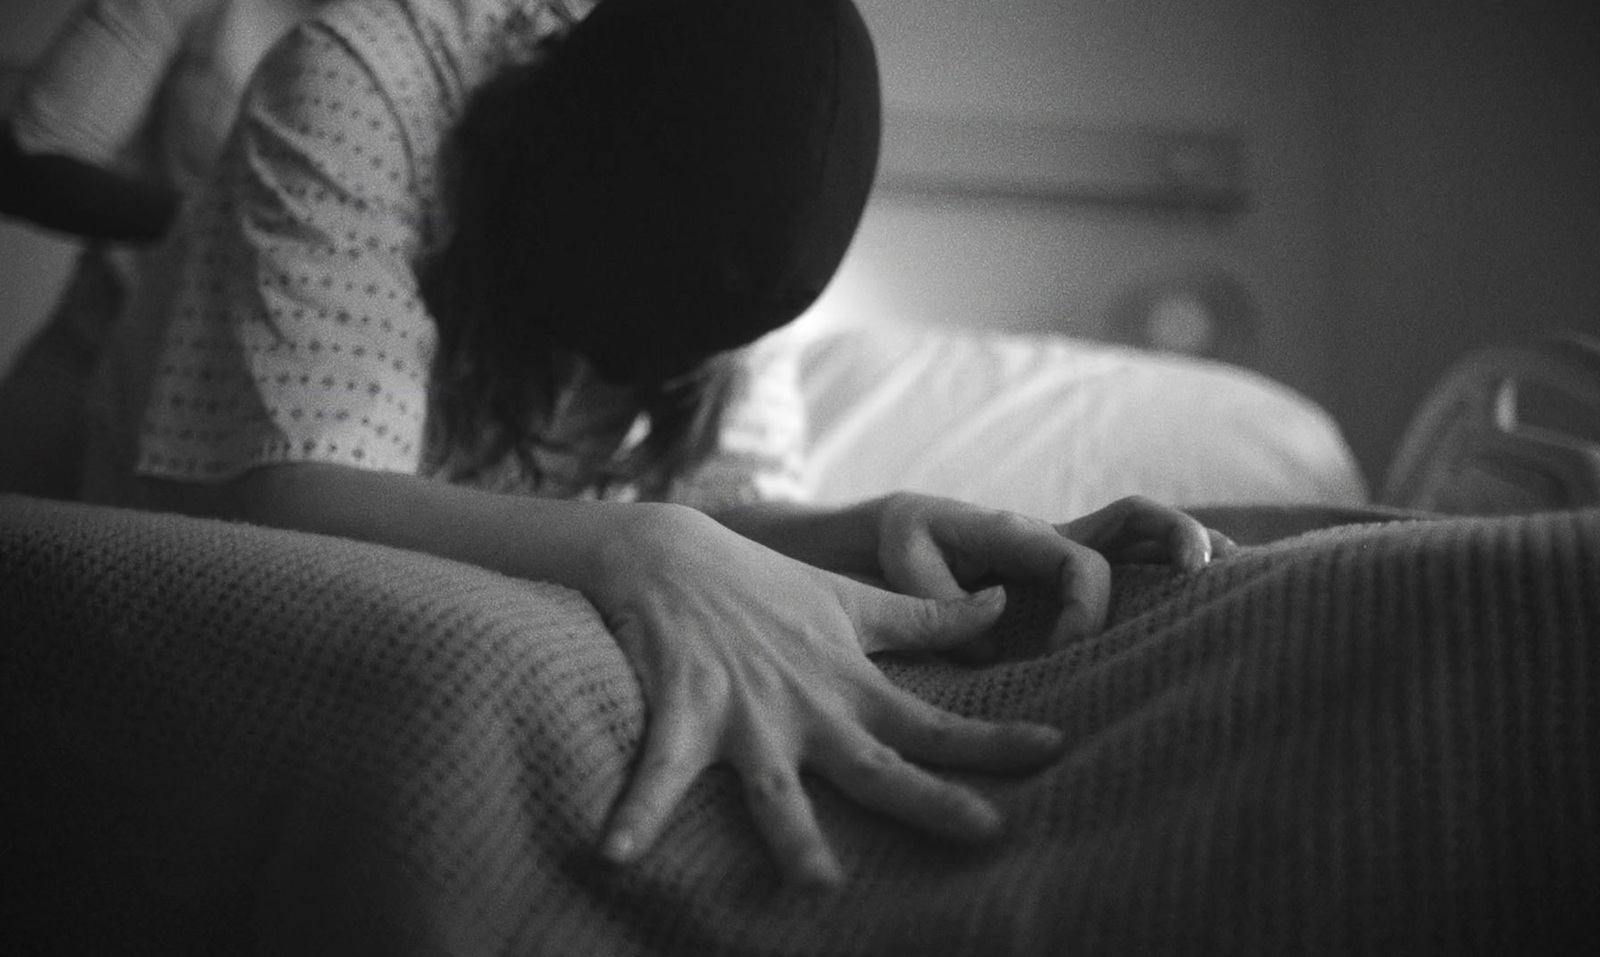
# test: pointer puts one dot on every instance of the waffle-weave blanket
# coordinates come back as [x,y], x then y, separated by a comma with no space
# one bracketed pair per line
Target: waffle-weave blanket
[227,739]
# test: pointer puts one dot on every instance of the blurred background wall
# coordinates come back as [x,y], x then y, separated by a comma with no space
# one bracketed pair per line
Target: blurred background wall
[1395,183]
[1465,148]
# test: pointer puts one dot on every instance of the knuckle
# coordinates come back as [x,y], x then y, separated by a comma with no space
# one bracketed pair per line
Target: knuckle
[1069,569]
[702,682]
[897,501]
[876,761]
[1015,523]
[900,508]
[1080,564]
[926,618]
[941,729]
[907,624]
[771,787]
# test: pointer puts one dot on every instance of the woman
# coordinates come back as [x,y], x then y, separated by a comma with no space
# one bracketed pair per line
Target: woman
[464,249]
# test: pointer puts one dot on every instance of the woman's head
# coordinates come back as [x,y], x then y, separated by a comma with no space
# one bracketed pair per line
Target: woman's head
[677,178]
[674,178]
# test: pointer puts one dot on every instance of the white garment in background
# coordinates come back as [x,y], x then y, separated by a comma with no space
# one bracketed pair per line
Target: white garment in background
[149,87]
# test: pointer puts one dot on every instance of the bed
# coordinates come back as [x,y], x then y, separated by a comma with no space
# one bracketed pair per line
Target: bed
[1374,729]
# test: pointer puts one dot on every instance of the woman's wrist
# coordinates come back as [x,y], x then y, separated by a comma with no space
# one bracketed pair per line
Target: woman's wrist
[623,538]
[843,539]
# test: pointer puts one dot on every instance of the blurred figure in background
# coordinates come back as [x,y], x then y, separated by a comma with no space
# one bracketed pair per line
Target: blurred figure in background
[122,119]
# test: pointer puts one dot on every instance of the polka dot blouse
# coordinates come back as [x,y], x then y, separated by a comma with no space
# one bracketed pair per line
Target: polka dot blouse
[296,330]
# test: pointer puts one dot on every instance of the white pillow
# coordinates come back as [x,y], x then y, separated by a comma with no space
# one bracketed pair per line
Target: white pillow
[1056,427]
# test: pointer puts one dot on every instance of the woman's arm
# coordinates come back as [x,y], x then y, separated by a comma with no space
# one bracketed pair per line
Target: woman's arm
[529,538]
[745,656]
[72,196]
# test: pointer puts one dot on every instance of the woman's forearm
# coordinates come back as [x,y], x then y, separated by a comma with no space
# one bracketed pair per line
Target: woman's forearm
[537,539]
[546,540]
[841,539]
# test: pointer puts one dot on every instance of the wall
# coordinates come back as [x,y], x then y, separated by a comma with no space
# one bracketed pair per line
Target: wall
[1468,177]
[1253,68]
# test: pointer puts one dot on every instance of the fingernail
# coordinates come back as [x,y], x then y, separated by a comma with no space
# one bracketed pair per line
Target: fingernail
[619,847]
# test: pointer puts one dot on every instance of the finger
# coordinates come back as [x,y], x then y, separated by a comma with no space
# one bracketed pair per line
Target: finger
[919,568]
[1221,545]
[1100,525]
[887,621]
[783,814]
[1084,584]
[876,776]
[1138,553]
[928,734]
[1157,553]
[1024,549]
[1188,540]
[1135,518]
[673,755]
[1017,548]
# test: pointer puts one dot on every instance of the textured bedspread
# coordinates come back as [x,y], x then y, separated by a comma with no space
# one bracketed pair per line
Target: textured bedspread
[232,740]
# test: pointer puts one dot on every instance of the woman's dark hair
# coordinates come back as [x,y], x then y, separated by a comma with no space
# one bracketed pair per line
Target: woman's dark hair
[497,294]
[498,371]
[666,182]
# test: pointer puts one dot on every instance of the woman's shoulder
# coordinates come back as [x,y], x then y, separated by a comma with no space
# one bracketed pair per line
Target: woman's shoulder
[441,51]
[420,61]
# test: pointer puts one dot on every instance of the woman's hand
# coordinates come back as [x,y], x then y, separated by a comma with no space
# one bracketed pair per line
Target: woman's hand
[752,658]
[940,548]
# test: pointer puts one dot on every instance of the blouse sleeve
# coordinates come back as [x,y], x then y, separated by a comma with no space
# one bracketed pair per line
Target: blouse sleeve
[297,333]
[93,90]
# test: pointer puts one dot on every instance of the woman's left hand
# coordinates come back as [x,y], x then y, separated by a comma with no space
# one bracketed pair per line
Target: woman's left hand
[934,547]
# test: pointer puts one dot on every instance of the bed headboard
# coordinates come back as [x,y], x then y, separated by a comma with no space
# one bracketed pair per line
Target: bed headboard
[1508,429]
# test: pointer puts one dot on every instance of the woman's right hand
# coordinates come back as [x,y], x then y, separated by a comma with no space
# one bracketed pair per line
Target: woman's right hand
[753,658]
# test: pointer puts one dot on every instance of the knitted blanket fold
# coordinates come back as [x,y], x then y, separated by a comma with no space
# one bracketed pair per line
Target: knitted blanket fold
[226,739]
